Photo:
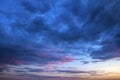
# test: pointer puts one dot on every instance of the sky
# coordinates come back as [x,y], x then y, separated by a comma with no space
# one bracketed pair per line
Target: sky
[60,39]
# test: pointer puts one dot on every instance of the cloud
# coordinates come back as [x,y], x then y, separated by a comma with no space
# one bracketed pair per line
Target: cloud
[110,47]
[40,77]
[41,7]
[1,69]
[77,72]
[28,6]
[47,32]
[18,55]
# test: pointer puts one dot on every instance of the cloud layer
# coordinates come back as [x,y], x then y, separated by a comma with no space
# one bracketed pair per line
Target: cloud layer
[46,32]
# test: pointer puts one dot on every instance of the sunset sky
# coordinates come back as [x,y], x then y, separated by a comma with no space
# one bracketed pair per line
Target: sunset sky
[59,39]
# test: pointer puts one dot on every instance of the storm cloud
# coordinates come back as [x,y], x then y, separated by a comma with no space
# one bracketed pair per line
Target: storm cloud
[51,31]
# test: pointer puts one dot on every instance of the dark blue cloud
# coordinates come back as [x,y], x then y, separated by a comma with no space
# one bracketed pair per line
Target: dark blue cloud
[29,28]
[1,69]
[76,72]
[38,6]
[28,6]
